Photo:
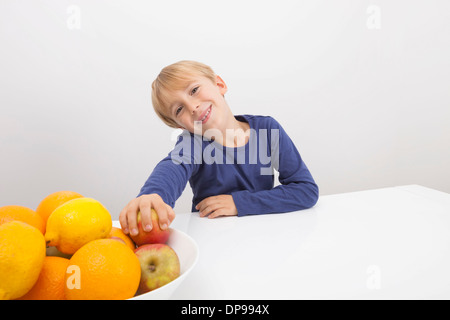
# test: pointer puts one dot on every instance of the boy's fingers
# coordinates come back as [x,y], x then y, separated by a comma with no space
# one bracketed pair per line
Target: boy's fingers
[144,205]
[204,203]
[208,205]
[146,215]
[163,215]
[123,220]
[216,214]
[132,224]
[131,218]
[210,208]
[170,213]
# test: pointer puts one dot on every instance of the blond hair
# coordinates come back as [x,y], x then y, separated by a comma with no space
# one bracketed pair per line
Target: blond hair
[175,77]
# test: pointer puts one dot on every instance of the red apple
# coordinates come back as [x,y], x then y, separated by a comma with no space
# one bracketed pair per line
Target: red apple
[156,235]
[159,266]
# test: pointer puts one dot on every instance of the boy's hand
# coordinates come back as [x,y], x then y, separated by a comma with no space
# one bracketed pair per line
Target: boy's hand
[215,206]
[144,203]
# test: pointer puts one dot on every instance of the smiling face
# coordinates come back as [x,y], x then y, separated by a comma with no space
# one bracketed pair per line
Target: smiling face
[189,95]
[201,100]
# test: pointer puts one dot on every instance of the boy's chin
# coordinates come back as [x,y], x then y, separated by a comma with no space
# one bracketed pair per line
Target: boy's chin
[202,127]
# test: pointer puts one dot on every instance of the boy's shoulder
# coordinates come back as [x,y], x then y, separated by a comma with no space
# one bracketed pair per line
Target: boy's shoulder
[259,121]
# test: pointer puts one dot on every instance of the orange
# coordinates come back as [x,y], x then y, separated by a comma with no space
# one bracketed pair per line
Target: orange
[118,233]
[22,254]
[51,282]
[53,201]
[24,214]
[103,269]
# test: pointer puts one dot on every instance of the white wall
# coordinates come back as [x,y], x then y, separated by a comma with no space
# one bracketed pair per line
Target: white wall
[362,87]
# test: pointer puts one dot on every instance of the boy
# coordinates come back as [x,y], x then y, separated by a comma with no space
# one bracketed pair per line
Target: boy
[228,160]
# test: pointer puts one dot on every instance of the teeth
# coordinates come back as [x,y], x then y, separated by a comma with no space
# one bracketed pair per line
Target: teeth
[206,115]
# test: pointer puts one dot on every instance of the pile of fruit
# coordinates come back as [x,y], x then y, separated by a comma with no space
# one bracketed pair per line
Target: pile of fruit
[68,249]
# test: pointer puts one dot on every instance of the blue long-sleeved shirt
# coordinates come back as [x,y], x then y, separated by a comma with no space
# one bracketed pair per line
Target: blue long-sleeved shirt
[244,172]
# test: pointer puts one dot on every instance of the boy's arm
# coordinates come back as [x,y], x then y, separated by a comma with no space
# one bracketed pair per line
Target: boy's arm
[164,186]
[170,176]
[168,180]
[297,191]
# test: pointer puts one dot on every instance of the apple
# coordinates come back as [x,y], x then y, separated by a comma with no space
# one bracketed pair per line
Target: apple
[159,266]
[156,235]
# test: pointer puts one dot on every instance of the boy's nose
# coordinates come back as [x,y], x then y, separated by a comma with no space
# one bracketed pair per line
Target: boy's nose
[194,108]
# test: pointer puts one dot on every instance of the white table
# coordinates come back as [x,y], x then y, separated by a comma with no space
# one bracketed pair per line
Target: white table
[390,243]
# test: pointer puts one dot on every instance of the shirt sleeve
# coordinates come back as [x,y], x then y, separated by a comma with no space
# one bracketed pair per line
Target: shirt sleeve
[170,176]
[298,189]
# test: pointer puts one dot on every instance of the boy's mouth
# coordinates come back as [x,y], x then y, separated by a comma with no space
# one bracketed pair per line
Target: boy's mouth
[205,115]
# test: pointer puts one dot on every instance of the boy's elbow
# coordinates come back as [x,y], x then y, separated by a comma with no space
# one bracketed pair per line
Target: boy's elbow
[310,195]
[314,194]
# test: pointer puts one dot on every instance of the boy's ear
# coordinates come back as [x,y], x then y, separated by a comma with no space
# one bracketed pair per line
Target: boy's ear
[221,84]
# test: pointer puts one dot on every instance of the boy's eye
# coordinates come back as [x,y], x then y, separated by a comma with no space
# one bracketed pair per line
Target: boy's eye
[178,110]
[194,90]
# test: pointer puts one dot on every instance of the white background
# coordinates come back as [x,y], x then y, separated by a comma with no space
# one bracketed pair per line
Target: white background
[362,87]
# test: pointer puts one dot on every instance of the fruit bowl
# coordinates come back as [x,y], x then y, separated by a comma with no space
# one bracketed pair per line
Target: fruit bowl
[187,251]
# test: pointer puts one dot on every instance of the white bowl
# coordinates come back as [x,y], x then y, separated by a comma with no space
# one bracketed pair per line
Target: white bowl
[187,251]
